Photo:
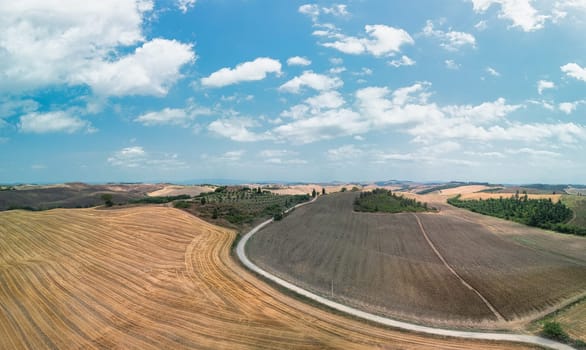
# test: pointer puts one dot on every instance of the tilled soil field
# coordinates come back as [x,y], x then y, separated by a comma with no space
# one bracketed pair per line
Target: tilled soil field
[428,267]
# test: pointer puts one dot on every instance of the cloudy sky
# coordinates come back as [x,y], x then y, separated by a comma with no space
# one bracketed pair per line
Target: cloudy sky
[141,90]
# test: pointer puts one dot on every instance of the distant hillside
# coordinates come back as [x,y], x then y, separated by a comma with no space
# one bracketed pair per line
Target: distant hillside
[452,184]
[74,195]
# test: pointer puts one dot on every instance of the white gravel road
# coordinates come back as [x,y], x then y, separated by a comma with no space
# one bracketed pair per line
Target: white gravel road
[521,338]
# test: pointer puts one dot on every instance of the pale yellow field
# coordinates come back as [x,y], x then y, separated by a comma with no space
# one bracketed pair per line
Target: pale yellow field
[463,190]
[175,190]
[157,278]
[307,189]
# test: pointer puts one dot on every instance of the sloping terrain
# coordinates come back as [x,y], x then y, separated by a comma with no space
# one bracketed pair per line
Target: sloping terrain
[72,195]
[176,190]
[157,278]
[391,265]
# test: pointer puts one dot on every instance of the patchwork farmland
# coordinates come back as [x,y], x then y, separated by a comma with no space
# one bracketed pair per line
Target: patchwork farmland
[157,278]
[420,267]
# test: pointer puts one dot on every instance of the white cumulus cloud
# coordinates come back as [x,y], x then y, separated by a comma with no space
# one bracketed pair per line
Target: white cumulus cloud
[544,85]
[313,11]
[493,72]
[247,71]
[326,100]
[342,153]
[298,61]
[326,125]
[172,116]
[312,80]
[520,12]
[450,40]
[574,70]
[232,156]
[145,72]
[46,44]
[185,5]
[380,40]
[137,157]
[51,122]
[237,129]
[451,64]
[570,107]
[403,61]
[310,10]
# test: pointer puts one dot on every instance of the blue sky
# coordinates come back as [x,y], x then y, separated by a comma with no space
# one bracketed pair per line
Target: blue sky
[140,90]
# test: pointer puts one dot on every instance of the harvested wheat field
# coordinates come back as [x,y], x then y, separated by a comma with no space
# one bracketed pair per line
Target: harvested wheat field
[176,190]
[306,189]
[156,278]
[424,267]
[463,190]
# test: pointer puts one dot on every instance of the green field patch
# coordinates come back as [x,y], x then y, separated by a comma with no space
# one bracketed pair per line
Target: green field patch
[578,206]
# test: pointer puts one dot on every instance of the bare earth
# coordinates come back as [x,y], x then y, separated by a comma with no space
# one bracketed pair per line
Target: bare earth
[401,265]
[157,278]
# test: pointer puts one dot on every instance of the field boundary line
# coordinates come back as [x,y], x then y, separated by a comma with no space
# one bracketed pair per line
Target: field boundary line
[455,273]
[385,321]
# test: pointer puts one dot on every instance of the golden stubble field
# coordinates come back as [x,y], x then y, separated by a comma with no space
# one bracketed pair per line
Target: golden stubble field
[156,278]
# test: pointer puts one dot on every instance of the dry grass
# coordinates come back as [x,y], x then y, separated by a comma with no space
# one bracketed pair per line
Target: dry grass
[175,190]
[307,189]
[463,190]
[382,263]
[156,278]
[573,320]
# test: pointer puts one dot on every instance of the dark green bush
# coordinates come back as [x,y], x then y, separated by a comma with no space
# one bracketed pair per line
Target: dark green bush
[553,330]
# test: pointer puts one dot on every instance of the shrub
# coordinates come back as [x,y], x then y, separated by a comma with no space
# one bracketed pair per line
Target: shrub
[107,198]
[553,330]
[181,204]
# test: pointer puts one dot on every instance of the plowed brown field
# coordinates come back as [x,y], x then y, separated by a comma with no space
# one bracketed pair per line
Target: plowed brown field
[156,278]
[430,267]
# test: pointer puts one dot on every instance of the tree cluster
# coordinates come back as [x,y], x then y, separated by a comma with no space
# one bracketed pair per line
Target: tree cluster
[158,199]
[543,213]
[381,200]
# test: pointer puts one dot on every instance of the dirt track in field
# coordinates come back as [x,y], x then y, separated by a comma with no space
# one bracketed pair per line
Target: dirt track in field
[383,264]
[156,278]
[455,273]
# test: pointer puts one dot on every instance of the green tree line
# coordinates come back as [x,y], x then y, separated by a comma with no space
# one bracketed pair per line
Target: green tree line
[543,213]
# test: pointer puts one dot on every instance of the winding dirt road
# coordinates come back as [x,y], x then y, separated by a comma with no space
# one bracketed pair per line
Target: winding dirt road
[521,338]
